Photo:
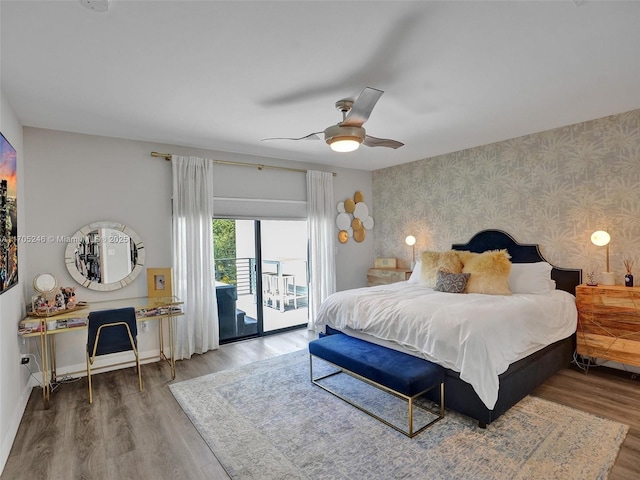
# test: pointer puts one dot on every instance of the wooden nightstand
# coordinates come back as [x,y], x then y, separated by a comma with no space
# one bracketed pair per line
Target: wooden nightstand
[609,323]
[385,276]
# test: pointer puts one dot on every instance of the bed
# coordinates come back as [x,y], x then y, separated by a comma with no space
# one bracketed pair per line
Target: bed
[490,372]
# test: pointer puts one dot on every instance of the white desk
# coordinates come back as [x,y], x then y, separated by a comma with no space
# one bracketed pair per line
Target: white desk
[147,309]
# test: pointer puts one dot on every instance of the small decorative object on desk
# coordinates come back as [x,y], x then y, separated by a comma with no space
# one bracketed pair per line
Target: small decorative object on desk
[59,301]
[628,277]
[160,282]
[69,296]
[591,279]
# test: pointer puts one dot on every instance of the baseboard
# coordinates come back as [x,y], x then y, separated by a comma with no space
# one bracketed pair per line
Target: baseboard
[12,430]
[104,363]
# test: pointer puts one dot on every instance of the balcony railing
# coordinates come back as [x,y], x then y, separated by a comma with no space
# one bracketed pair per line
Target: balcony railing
[240,272]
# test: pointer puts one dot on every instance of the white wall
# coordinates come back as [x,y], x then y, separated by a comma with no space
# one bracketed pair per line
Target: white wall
[76,179]
[14,378]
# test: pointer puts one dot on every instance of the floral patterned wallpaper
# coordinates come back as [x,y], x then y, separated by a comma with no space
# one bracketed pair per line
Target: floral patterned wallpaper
[553,188]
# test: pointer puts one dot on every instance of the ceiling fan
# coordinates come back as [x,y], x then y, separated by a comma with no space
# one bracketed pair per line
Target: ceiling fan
[347,135]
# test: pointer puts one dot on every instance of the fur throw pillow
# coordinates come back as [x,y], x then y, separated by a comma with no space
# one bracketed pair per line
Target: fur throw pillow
[489,272]
[434,261]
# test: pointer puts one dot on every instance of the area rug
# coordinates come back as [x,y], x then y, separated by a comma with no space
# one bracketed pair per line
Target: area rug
[267,420]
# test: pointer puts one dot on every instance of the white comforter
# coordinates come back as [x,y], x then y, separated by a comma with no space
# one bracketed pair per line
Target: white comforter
[477,335]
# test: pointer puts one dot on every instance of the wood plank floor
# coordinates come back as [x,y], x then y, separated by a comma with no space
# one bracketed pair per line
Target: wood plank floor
[127,434]
[608,393]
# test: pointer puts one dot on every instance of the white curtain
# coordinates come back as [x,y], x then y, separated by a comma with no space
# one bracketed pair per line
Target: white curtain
[193,262]
[322,271]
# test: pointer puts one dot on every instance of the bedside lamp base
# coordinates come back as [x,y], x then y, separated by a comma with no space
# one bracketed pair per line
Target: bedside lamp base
[607,278]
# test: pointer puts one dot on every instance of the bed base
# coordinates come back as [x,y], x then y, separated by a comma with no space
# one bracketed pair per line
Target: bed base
[520,379]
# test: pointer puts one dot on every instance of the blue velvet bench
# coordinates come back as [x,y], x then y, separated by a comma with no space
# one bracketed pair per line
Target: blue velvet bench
[395,372]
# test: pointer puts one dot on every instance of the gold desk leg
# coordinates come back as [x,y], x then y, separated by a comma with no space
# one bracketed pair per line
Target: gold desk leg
[52,357]
[161,333]
[163,356]
[46,385]
[172,347]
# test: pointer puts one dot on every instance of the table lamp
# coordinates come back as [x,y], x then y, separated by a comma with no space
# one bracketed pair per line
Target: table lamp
[601,238]
[411,241]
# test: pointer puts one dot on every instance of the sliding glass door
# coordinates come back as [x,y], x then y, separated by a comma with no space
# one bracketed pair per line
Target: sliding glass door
[284,274]
[261,276]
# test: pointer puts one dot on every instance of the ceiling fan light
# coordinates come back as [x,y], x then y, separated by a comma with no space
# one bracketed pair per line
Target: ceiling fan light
[344,139]
[346,144]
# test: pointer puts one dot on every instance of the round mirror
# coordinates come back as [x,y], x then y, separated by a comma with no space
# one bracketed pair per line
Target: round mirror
[104,256]
[44,283]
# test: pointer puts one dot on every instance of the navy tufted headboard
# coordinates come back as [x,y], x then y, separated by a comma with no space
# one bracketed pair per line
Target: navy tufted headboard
[566,278]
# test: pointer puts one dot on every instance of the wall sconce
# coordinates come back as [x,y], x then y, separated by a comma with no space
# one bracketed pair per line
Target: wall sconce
[411,241]
[601,238]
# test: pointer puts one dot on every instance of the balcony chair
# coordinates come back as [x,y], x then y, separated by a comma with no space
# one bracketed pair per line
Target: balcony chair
[112,331]
[226,297]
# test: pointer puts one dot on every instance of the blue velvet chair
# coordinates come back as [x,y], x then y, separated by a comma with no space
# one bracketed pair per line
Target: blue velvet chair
[112,331]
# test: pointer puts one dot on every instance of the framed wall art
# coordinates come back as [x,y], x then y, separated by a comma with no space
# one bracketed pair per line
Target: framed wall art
[159,282]
[8,216]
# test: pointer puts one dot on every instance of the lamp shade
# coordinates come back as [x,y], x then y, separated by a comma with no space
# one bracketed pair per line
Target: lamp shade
[410,240]
[600,238]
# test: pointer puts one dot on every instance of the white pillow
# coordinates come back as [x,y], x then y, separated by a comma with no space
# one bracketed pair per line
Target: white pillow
[417,272]
[530,278]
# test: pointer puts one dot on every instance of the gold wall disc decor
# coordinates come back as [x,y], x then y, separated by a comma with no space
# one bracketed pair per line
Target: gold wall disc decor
[358,235]
[349,205]
[353,219]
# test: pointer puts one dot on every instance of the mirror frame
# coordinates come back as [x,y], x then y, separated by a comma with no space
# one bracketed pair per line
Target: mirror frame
[69,257]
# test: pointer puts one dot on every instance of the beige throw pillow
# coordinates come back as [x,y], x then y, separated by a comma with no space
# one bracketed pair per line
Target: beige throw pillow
[434,261]
[489,272]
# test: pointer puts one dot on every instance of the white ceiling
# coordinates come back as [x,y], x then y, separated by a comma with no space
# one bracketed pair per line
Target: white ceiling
[224,75]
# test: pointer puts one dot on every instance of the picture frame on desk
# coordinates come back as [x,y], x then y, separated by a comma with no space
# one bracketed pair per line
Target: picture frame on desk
[159,282]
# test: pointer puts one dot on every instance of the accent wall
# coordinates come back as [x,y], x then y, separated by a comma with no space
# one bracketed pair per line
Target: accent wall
[553,188]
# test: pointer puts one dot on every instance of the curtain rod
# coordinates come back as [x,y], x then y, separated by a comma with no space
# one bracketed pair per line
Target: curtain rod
[167,157]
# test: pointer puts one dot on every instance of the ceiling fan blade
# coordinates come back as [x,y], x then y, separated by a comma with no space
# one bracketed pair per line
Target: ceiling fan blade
[370,141]
[311,136]
[362,107]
